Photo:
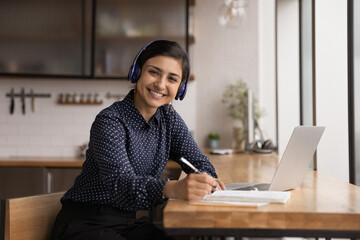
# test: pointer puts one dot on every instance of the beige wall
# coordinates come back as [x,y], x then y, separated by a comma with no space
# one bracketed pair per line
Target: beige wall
[221,56]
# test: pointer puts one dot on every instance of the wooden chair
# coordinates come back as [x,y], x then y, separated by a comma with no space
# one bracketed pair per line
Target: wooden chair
[30,218]
[2,218]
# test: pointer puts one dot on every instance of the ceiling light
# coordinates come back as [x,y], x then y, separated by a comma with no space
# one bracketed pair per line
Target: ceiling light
[232,12]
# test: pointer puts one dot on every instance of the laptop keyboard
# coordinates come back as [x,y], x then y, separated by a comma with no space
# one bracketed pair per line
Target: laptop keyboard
[258,186]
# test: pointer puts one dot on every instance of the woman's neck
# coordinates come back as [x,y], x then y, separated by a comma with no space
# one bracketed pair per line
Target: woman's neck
[146,112]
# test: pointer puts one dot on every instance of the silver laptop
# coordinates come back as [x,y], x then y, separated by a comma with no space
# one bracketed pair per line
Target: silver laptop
[294,163]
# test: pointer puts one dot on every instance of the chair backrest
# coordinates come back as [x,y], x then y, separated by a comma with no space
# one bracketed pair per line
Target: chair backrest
[31,218]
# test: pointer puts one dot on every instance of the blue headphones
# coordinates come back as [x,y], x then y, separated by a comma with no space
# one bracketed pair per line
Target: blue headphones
[135,71]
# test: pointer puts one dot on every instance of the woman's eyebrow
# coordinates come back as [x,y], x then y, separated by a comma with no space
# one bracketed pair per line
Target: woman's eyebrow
[160,70]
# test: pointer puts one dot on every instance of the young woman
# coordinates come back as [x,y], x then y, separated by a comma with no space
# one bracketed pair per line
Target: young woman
[130,144]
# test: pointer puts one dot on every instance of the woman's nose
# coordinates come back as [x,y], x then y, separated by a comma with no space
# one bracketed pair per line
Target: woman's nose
[160,82]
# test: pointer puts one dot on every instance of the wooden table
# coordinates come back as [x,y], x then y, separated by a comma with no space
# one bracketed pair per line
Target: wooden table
[322,207]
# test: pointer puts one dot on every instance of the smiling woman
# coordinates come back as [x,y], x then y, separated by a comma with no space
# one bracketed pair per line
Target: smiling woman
[130,143]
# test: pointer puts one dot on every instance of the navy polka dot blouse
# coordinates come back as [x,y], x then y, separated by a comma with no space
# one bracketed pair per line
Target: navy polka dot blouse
[127,155]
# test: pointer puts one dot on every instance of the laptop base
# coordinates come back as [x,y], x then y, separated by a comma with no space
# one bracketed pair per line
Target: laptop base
[248,186]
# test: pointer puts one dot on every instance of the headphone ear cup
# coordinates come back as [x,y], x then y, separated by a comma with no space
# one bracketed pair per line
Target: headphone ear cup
[134,73]
[181,90]
[137,73]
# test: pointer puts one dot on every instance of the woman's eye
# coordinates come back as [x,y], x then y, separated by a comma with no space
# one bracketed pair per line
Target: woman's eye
[153,72]
[172,79]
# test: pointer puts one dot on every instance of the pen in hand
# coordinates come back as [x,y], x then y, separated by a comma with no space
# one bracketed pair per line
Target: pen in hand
[191,166]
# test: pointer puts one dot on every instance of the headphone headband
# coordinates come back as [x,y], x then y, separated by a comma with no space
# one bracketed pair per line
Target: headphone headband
[135,71]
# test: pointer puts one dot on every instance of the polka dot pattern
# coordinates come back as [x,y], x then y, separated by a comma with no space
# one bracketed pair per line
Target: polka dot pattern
[127,155]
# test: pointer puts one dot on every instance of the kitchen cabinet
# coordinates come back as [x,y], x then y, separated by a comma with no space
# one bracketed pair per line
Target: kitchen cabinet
[21,176]
[84,38]
[123,27]
[40,37]
[21,181]
[60,179]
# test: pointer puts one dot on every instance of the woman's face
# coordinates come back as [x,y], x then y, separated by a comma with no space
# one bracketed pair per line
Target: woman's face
[158,83]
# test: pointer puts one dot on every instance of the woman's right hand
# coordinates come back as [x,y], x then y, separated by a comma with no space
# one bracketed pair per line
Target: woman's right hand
[193,187]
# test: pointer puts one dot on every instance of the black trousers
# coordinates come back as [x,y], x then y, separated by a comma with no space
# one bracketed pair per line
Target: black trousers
[89,222]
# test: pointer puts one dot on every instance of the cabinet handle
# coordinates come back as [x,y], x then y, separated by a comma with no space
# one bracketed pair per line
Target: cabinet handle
[49,181]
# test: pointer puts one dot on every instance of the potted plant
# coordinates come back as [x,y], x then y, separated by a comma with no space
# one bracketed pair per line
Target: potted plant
[235,97]
[214,140]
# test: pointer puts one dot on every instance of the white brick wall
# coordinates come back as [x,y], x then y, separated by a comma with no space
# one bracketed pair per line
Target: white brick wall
[53,129]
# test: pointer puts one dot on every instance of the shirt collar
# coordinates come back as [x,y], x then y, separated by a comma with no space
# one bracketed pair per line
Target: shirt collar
[134,112]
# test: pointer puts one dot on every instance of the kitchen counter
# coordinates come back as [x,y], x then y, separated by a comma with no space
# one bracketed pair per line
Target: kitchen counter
[41,162]
[26,176]
[55,162]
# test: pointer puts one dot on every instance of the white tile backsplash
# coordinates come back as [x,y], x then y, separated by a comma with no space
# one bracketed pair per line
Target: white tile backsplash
[2,140]
[28,129]
[41,118]
[50,129]
[53,130]
[9,129]
[39,140]
[7,150]
[16,140]
[64,118]
[61,140]
[52,151]
[16,118]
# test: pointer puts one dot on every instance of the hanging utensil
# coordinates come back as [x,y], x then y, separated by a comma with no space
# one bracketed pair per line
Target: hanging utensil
[22,95]
[32,97]
[12,101]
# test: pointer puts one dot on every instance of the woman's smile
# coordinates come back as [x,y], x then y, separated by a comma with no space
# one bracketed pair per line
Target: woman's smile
[156,94]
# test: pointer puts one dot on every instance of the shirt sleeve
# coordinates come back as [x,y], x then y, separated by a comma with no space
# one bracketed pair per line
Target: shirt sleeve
[184,145]
[128,190]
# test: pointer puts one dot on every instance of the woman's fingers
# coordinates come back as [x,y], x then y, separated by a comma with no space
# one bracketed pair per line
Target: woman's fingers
[220,184]
[197,186]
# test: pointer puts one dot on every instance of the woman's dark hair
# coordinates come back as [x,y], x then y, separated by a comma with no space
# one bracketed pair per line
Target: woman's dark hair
[169,49]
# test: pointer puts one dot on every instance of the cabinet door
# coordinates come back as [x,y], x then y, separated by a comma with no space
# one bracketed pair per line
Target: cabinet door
[21,181]
[45,37]
[61,179]
[124,27]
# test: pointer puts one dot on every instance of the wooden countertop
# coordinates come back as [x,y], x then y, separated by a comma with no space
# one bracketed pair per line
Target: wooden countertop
[54,162]
[41,162]
[37,161]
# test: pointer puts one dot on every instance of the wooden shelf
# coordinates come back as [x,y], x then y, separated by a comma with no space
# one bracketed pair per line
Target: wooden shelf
[42,37]
[80,103]
[120,37]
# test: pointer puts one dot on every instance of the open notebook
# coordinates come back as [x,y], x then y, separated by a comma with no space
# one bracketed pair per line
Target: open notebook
[294,162]
[244,198]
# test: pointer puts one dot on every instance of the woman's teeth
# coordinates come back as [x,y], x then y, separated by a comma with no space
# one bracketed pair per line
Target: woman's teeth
[156,93]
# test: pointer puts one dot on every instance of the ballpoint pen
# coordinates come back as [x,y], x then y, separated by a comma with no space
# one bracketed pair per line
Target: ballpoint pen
[187,163]
[190,165]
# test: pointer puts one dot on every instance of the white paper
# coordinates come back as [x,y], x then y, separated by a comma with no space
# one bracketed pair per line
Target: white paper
[248,196]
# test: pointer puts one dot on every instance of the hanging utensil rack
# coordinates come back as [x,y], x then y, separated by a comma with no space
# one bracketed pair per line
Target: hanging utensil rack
[22,95]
